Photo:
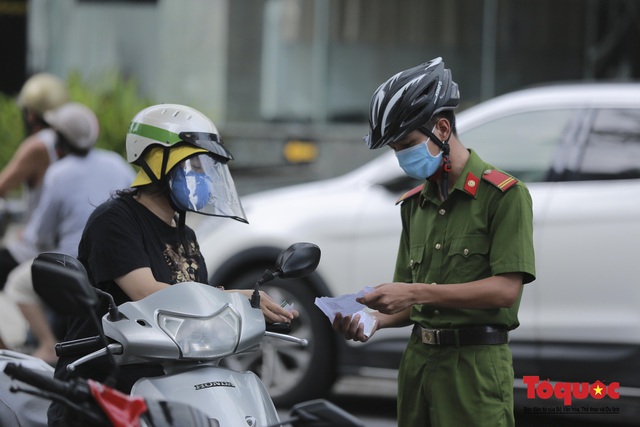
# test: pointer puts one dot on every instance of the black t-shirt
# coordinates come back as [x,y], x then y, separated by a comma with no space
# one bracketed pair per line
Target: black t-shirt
[121,236]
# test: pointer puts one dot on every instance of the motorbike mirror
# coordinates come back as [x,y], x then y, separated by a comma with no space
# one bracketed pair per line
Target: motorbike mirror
[298,260]
[321,413]
[62,283]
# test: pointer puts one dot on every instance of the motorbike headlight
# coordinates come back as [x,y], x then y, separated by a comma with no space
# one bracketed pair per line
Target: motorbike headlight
[203,338]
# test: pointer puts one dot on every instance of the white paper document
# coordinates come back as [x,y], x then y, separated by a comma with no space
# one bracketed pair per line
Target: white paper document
[348,306]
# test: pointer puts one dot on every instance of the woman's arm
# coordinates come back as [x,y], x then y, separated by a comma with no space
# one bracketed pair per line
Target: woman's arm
[140,283]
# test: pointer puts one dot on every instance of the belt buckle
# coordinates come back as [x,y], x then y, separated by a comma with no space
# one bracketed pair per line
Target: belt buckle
[430,336]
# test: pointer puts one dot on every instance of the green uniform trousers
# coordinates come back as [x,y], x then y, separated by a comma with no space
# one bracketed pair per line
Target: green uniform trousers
[449,386]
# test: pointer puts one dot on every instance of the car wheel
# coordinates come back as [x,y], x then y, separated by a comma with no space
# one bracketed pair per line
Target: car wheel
[290,372]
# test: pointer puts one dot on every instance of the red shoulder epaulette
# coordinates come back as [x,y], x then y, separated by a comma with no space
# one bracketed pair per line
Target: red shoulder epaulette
[499,179]
[410,193]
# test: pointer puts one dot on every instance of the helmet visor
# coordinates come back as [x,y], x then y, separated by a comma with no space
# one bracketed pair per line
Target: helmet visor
[209,141]
[203,184]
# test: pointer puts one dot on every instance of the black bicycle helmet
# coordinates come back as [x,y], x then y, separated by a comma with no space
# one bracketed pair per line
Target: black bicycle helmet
[408,100]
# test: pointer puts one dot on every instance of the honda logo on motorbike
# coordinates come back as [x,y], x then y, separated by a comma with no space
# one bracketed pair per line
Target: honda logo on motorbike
[213,384]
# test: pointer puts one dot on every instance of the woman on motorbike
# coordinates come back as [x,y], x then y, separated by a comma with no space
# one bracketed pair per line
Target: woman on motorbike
[138,243]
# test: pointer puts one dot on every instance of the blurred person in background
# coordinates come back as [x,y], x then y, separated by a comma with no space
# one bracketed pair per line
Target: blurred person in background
[73,186]
[40,93]
[26,169]
[466,250]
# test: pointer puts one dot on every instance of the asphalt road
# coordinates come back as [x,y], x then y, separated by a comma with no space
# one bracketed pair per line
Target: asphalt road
[373,401]
[370,400]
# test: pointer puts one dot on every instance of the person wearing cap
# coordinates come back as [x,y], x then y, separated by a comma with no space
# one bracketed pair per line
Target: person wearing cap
[82,179]
[465,252]
[138,242]
[40,93]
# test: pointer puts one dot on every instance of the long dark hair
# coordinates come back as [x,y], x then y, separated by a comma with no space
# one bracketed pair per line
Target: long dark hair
[152,189]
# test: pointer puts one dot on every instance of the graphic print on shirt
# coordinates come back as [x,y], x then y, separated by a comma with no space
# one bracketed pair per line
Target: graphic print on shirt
[183,268]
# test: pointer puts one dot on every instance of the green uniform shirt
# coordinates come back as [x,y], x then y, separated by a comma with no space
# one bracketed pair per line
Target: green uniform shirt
[482,230]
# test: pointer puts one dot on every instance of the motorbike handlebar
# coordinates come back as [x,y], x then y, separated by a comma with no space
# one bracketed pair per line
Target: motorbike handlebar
[42,381]
[279,327]
[82,345]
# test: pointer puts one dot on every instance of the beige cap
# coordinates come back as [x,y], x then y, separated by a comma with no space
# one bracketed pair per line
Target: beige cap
[42,92]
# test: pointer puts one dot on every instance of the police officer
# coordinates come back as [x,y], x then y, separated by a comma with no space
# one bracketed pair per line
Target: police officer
[466,249]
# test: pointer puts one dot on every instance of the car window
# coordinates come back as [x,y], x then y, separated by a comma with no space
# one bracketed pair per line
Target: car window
[522,144]
[613,146]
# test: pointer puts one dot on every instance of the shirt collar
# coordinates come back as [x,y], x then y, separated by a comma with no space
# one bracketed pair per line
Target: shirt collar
[467,182]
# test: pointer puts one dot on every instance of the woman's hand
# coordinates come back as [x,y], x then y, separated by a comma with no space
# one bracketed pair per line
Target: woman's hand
[272,311]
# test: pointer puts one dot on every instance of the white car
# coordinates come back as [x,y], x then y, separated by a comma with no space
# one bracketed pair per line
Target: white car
[577,147]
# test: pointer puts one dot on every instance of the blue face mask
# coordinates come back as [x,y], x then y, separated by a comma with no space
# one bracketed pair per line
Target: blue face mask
[190,190]
[417,161]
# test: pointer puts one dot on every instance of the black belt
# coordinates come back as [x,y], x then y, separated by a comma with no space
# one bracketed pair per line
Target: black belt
[476,335]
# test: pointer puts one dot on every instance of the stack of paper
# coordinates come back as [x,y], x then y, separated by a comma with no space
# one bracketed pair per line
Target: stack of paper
[348,306]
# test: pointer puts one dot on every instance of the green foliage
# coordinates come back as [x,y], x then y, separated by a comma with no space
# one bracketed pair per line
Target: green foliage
[115,101]
[11,128]
[113,98]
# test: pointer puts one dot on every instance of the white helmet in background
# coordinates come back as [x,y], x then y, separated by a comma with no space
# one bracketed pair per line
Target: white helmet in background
[76,123]
[42,92]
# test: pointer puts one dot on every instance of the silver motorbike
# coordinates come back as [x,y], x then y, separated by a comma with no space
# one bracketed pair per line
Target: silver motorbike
[188,329]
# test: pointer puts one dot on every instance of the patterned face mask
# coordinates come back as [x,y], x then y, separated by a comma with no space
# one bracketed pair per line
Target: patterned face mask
[204,185]
[191,190]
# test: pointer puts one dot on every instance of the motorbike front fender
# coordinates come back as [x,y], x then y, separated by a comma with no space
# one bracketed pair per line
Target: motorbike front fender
[230,397]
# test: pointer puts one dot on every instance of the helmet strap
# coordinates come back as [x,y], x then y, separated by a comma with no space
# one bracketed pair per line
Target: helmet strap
[165,160]
[181,222]
[181,212]
[446,161]
[163,169]
[182,215]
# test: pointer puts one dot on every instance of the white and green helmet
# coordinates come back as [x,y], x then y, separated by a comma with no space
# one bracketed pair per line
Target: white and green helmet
[182,146]
[170,124]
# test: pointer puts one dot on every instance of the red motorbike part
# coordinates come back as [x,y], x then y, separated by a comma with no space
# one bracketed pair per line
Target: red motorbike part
[123,410]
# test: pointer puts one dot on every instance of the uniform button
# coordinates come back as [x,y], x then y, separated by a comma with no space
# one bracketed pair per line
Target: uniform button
[411,263]
[438,246]
[487,172]
[436,312]
[442,211]
[433,283]
[465,251]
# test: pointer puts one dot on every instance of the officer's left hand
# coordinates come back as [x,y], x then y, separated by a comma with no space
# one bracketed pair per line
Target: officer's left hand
[351,328]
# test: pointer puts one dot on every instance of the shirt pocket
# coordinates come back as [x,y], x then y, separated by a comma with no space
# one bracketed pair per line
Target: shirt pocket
[469,258]
[416,263]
